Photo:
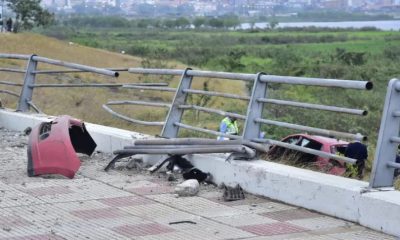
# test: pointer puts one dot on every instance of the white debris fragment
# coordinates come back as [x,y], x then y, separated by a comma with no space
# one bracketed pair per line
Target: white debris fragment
[187,188]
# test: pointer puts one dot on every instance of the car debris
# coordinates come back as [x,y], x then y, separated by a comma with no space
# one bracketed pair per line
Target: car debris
[52,147]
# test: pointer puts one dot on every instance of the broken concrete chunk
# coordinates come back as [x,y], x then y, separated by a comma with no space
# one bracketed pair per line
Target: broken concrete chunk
[187,188]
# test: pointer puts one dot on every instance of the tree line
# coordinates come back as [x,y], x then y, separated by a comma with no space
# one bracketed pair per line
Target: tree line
[28,14]
[227,22]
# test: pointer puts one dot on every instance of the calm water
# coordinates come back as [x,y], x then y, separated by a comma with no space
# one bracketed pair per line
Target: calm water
[383,25]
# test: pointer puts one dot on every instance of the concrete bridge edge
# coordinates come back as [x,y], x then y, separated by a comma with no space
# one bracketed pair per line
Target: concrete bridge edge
[339,197]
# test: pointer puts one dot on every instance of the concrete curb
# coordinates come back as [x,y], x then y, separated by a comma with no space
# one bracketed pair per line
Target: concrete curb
[340,197]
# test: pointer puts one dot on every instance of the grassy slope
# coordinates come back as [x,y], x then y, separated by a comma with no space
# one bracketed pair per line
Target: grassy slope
[86,103]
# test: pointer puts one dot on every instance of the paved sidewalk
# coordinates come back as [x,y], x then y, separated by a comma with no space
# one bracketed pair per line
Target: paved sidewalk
[124,204]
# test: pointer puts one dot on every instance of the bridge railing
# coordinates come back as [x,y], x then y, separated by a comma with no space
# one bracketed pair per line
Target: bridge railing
[253,120]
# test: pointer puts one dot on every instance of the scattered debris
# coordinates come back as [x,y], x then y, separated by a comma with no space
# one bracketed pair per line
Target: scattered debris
[233,194]
[180,222]
[187,188]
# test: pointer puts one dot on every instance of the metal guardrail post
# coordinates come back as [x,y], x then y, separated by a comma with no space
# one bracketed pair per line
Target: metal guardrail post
[175,113]
[255,109]
[27,91]
[382,173]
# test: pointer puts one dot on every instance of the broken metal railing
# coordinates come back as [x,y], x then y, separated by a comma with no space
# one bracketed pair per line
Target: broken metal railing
[256,101]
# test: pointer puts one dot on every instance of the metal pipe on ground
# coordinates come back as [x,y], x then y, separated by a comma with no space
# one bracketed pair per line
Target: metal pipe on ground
[200,141]
[215,149]
[177,146]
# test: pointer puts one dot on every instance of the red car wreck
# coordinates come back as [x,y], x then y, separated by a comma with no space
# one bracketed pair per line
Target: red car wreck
[52,147]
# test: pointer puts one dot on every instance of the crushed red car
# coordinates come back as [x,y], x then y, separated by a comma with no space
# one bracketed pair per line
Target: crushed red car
[52,147]
[320,143]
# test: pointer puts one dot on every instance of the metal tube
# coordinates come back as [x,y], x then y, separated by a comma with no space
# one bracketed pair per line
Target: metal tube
[314,106]
[15,56]
[165,89]
[199,142]
[320,131]
[393,165]
[139,103]
[307,150]
[95,85]
[73,85]
[34,107]
[216,94]
[10,93]
[177,146]
[146,123]
[14,70]
[11,83]
[161,84]
[76,66]
[396,114]
[206,131]
[211,110]
[194,150]
[395,139]
[322,82]
[365,85]
[77,71]
[156,71]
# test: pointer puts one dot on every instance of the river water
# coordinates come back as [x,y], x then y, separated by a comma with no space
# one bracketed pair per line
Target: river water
[383,25]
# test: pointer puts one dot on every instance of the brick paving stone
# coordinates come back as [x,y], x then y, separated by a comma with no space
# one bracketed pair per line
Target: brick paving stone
[320,223]
[35,237]
[126,201]
[12,221]
[291,214]
[265,207]
[99,213]
[142,229]
[52,190]
[244,219]
[12,197]
[362,235]
[157,212]
[209,229]
[151,190]
[272,229]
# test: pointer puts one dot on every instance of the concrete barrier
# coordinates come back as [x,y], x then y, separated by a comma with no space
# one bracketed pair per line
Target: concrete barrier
[340,197]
